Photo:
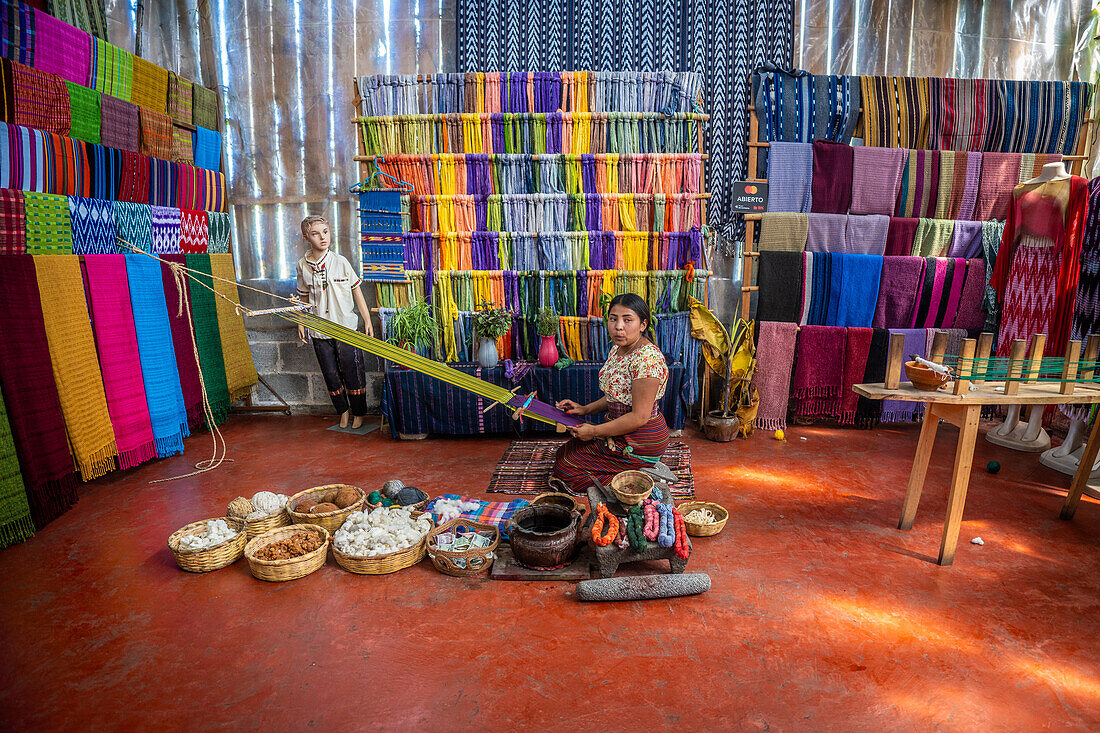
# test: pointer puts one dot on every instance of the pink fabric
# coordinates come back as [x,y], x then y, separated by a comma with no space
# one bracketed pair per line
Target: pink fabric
[901,282]
[937,286]
[955,293]
[970,316]
[819,369]
[116,341]
[62,49]
[775,355]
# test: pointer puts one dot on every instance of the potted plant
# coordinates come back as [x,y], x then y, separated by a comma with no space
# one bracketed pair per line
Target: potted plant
[412,327]
[490,323]
[547,324]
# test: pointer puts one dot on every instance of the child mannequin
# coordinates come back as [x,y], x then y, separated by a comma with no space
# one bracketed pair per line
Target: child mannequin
[327,281]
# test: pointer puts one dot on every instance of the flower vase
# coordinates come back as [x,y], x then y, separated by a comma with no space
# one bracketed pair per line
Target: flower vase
[487,355]
[548,351]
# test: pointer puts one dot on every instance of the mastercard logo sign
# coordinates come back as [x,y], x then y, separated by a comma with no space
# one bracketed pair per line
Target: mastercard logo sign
[751,189]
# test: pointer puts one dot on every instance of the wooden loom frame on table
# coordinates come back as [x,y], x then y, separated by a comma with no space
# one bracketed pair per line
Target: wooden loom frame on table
[960,403]
[750,253]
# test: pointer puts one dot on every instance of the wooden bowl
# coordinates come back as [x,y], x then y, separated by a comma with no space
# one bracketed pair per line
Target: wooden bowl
[632,487]
[924,378]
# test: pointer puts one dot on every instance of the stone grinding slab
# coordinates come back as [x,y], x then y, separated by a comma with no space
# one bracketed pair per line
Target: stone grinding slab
[505,567]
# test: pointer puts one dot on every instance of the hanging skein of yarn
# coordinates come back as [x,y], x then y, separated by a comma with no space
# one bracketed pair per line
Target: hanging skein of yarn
[667,535]
[682,549]
[652,520]
[622,541]
[603,514]
[635,528]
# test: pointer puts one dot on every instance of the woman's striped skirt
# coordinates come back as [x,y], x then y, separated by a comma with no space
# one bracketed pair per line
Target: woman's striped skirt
[579,461]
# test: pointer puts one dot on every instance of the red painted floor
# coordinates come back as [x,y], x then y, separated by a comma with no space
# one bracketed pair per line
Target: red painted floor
[822,615]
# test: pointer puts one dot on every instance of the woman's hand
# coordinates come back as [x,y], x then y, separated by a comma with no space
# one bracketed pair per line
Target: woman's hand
[571,407]
[302,334]
[587,431]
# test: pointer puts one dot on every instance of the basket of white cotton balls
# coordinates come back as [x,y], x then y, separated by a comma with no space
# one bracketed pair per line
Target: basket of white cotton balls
[208,545]
[382,540]
[265,511]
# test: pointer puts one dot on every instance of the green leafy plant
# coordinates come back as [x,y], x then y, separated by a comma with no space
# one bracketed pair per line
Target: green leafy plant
[491,322]
[547,322]
[413,324]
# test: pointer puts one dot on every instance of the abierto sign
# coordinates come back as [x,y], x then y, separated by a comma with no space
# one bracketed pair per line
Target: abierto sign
[750,197]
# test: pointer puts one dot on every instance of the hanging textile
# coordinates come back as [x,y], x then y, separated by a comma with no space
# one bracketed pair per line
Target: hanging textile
[112,70]
[970,316]
[13,223]
[165,223]
[796,106]
[133,225]
[208,149]
[876,179]
[204,108]
[49,230]
[119,126]
[194,231]
[116,342]
[725,40]
[62,49]
[93,225]
[204,314]
[919,184]
[1038,116]
[84,112]
[179,98]
[895,111]
[15,511]
[75,364]
[156,134]
[30,396]
[865,235]
[775,359]
[181,341]
[790,172]
[900,284]
[41,100]
[87,15]
[941,289]
[150,86]
[819,370]
[17,31]
[832,178]
[159,374]
[780,282]
[240,371]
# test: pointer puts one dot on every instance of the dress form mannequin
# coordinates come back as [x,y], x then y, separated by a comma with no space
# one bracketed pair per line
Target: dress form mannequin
[1029,437]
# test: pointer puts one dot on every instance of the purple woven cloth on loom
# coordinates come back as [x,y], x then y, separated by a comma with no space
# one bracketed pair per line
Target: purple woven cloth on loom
[970,317]
[899,237]
[866,235]
[790,172]
[966,241]
[1000,174]
[897,410]
[898,287]
[832,179]
[62,49]
[774,359]
[876,178]
[826,232]
[819,368]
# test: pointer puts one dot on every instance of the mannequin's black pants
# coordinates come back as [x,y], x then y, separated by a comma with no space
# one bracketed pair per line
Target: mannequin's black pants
[342,368]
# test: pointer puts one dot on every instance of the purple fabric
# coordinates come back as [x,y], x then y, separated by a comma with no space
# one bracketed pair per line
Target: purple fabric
[832,178]
[866,235]
[876,179]
[968,203]
[898,287]
[966,242]
[899,238]
[970,316]
[826,232]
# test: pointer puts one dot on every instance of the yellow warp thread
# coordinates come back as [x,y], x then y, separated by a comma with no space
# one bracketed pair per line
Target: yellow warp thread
[240,371]
[447,314]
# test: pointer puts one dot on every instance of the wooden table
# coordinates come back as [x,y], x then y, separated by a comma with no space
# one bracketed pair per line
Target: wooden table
[964,410]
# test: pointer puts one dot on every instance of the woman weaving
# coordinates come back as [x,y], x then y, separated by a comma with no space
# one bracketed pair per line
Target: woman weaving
[633,379]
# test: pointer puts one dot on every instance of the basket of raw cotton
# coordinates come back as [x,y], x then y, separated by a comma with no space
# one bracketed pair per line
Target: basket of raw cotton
[264,511]
[208,545]
[382,540]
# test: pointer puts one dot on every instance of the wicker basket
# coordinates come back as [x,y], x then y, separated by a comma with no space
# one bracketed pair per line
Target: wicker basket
[209,558]
[257,527]
[417,507]
[632,487]
[478,560]
[292,568]
[696,529]
[331,521]
[383,564]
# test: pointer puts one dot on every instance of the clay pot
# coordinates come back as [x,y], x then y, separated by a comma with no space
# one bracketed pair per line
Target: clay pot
[923,378]
[559,499]
[548,351]
[544,535]
[721,427]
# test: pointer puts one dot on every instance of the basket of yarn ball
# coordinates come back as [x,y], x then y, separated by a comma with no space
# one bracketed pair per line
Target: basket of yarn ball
[326,506]
[409,497]
[203,546]
[287,553]
[463,563]
[270,513]
[382,563]
[703,518]
[632,487]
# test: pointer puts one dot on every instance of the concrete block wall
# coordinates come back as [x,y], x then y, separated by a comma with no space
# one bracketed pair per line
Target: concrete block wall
[290,367]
